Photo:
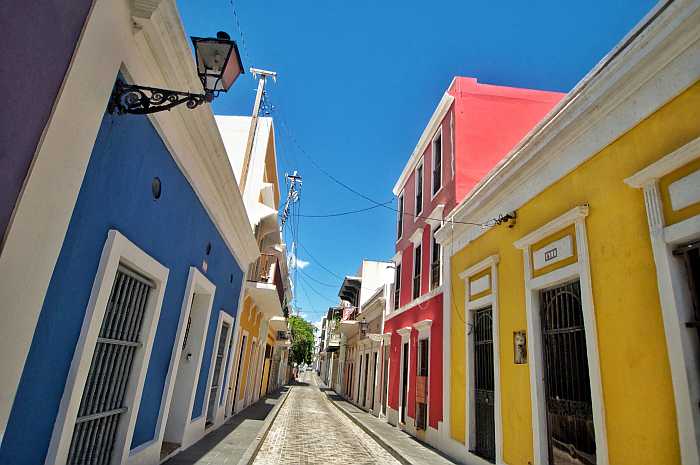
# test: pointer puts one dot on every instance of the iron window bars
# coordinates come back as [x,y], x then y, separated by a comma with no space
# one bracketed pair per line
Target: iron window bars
[102,403]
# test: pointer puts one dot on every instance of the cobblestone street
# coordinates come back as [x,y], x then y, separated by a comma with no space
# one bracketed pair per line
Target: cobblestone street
[309,430]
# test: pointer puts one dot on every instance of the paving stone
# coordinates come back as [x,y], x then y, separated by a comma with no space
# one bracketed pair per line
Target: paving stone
[309,430]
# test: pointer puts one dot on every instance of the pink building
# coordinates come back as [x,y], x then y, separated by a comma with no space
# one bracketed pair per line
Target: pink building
[473,127]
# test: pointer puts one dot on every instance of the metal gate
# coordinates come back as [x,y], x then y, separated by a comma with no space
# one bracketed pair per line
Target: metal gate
[102,403]
[218,364]
[571,433]
[484,424]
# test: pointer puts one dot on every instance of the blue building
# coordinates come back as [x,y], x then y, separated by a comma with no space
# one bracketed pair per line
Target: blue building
[124,263]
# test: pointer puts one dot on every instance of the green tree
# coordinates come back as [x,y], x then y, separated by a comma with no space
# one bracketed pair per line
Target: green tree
[302,340]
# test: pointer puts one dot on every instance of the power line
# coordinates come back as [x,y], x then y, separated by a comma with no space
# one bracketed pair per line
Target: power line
[319,263]
[494,221]
[320,294]
[316,280]
[240,31]
[349,212]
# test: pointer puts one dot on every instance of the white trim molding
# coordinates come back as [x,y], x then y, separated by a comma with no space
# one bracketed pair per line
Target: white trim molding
[415,302]
[581,271]
[669,163]
[653,64]
[674,294]
[426,137]
[423,328]
[118,250]
[157,53]
[491,300]
[180,390]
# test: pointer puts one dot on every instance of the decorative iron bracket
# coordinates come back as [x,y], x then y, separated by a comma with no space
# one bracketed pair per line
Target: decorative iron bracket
[141,100]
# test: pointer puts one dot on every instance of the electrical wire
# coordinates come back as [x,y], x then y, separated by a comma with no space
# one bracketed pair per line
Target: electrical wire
[316,280]
[376,203]
[320,264]
[349,212]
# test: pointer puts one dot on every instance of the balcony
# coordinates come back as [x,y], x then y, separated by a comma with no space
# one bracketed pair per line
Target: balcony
[264,283]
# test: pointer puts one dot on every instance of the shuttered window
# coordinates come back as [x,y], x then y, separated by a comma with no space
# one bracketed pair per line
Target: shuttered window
[102,403]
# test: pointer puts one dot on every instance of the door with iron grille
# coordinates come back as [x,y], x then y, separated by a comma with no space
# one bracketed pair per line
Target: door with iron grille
[571,434]
[484,424]
[102,403]
[217,378]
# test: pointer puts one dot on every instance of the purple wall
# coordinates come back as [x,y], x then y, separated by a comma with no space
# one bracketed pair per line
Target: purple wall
[39,37]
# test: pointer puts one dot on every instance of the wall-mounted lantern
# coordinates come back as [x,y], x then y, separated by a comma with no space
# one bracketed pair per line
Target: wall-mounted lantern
[363,327]
[519,347]
[218,66]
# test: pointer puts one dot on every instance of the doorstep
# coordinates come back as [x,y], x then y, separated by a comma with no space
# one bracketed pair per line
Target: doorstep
[238,440]
[407,449]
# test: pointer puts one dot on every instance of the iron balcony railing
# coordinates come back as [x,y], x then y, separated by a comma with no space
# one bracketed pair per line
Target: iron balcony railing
[266,270]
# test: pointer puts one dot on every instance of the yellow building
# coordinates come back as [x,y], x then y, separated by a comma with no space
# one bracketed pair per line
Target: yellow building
[259,347]
[570,329]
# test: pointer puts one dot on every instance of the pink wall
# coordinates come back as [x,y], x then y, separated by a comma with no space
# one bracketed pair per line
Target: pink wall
[430,310]
[490,121]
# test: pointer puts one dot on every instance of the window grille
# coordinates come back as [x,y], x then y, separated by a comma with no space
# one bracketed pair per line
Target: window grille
[422,385]
[189,324]
[484,424]
[416,272]
[690,254]
[102,403]
[571,433]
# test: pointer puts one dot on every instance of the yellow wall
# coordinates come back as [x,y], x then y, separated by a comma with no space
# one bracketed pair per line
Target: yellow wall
[638,396]
[250,322]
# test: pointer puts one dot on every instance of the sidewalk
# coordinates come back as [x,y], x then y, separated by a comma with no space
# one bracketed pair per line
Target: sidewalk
[236,441]
[404,447]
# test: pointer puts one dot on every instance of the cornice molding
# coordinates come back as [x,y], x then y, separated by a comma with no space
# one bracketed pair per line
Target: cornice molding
[488,262]
[671,162]
[426,137]
[651,66]
[192,136]
[557,224]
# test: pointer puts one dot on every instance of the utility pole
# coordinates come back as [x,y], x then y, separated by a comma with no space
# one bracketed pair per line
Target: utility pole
[292,194]
[262,75]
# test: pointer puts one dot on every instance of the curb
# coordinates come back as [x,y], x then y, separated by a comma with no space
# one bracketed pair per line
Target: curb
[369,432]
[252,451]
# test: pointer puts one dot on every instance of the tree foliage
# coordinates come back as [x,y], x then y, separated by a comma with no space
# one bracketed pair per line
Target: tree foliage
[302,340]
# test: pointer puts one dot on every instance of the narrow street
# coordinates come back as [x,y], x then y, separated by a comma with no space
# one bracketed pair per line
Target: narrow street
[309,430]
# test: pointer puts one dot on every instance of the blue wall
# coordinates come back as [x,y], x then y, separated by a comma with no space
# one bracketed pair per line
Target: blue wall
[175,230]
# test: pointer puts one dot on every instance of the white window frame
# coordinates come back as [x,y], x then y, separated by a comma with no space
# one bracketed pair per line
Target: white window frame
[424,333]
[673,293]
[413,268]
[491,300]
[420,165]
[581,271]
[117,250]
[400,215]
[149,452]
[243,339]
[405,334]
[433,241]
[438,133]
[223,318]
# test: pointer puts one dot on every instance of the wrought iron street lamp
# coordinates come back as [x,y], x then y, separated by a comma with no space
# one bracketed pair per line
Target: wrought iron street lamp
[218,66]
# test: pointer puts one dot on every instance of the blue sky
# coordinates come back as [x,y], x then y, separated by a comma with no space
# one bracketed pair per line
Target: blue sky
[358,81]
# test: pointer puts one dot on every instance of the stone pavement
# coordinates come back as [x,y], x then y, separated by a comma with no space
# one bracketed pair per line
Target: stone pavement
[310,430]
[231,443]
[403,445]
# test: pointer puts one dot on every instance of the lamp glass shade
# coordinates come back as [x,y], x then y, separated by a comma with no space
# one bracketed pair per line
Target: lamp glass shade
[218,62]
